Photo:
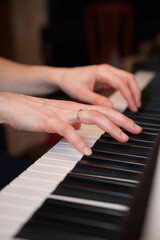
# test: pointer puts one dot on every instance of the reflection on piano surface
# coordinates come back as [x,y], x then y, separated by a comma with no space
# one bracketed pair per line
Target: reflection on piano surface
[65,195]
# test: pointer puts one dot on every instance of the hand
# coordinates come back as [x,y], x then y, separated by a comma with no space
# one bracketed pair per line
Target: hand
[34,114]
[80,83]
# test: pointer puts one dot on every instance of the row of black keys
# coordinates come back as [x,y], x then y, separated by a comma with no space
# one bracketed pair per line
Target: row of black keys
[94,178]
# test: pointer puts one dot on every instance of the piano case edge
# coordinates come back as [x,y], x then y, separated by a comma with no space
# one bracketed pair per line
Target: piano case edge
[133,225]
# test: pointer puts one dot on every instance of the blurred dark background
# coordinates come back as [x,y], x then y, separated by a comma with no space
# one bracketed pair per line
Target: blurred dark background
[66,37]
[76,33]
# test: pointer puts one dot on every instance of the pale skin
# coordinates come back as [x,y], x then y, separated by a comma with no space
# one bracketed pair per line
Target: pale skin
[19,84]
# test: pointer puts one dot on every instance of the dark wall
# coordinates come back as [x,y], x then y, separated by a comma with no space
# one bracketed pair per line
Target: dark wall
[147,20]
[64,40]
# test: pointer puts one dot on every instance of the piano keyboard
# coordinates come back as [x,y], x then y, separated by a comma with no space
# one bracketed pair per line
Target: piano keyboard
[65,195]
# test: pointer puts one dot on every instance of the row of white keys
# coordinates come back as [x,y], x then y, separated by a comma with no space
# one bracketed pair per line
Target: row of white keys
[28,191]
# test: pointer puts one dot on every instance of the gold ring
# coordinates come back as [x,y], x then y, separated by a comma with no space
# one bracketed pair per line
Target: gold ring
[78,114]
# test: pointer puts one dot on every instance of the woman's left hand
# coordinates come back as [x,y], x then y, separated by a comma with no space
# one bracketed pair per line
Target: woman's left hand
[80,83]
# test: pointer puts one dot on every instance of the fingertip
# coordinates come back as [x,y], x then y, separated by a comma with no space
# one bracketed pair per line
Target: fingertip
[87,151]
[137,128]
[124,137]
[134,109]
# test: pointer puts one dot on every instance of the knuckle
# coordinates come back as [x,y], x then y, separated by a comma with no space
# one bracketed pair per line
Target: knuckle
[124,83]
[131,77]
[66,130]
[119,84]
[95,114]
[102,67]
[112,128]
[110,104]
[130,122]
[124,118]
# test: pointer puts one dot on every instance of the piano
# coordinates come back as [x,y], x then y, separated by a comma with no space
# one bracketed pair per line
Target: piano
[110,195]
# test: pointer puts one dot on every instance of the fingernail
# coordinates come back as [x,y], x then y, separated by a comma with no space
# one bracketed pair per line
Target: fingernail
[124,136]
[137,127]
[87,151]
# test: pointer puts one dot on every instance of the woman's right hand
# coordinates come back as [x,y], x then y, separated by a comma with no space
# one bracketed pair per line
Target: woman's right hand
[33,114]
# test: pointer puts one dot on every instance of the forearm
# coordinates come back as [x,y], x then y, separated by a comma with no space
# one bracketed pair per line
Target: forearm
[29,79]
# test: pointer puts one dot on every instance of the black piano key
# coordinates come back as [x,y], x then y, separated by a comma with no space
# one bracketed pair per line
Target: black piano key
[49,229]
[144,139]
[150,126]
[54,209]
[104,162]
[101,214]
[148,120]
[133,140]
[44,227]
[82,214]
[110,169]
[150,112]
[149,129]
[114,158]
[118,154]
[150,96]
[96,188]
[122,147]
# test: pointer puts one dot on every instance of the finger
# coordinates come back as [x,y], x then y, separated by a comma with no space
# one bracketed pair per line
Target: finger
[95,117]
[136,92]
[110,77]
[68,132]
[121,120]
[94,98]
[131,82]
[127,94]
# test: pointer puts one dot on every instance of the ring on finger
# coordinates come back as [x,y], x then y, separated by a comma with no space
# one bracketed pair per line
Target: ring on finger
[78,115]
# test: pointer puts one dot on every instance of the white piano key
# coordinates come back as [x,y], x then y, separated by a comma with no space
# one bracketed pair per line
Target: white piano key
[29,202]
[69,146]
[10,227]
[20,191]
[53,155]
[87,139]
[42,184]
[51,169]
[43,177]
[83,132]
[10,212]
[53,162]
[90,128]
[114,206]
[63,146]
[5,236]
[143,78]
[68,152]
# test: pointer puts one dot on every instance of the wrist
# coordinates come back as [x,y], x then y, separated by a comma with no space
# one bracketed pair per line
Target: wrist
[49,79]
[56,76]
